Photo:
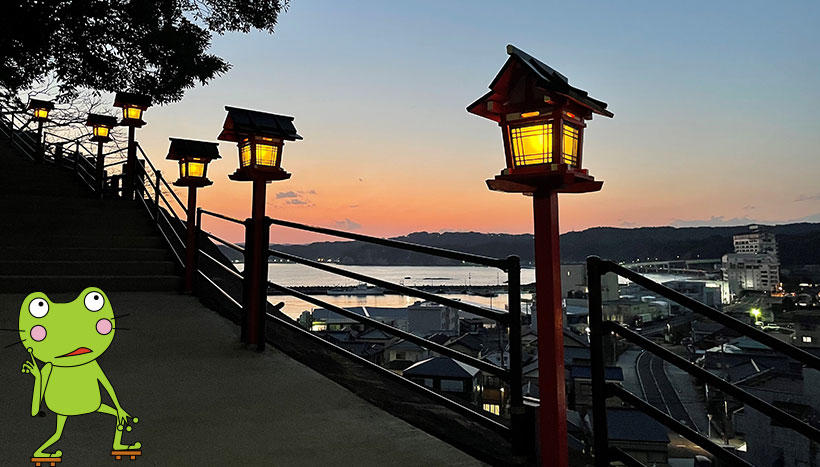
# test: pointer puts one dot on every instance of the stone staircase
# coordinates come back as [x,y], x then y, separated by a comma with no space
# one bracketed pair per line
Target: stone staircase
[56,237]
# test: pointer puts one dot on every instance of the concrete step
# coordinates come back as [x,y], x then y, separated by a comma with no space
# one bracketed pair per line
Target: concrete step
[43,239]
[62,253]
[51,284]
[86,268]
[13,230]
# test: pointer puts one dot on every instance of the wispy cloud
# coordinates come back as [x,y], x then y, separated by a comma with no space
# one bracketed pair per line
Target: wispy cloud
[286,194]
[749,207]
[803,197]
[348,224]
[296,201]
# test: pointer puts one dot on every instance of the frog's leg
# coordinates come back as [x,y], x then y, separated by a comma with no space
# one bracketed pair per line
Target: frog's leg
[118,446]
[54,438]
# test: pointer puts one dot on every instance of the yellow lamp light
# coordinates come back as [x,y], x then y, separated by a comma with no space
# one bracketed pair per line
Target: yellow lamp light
[193,157]
[101,127]
[531,144]
[132,105]
[131,112]
[101,131]
[41,114]
[40,109]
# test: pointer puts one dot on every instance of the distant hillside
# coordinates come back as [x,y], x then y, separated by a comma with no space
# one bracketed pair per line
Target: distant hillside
[798,244]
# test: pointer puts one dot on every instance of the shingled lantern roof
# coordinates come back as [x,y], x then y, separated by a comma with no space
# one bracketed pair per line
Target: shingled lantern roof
[522,76]
[241,123]
[194,157]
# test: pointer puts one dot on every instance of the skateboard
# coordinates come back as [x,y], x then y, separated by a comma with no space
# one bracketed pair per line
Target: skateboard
[118,455]
[51,461]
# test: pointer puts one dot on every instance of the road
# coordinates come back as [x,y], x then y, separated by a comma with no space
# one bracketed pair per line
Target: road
[659,391]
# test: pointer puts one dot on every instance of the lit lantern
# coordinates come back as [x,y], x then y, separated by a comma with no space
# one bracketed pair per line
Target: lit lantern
[193,157]
[260,137]
[542,120]
[40,108]
[101,125]
[133,105]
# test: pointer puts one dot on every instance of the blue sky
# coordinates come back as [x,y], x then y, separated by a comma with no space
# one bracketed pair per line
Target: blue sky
[715,110]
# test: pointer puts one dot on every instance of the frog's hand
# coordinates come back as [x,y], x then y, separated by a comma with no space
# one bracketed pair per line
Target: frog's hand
[30,366]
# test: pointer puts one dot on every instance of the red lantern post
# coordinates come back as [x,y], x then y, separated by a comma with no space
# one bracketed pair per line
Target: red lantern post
[260,137]
[542,120]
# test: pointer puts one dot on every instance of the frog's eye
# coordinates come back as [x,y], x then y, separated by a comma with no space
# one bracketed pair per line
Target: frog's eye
[38,307]
[94,301]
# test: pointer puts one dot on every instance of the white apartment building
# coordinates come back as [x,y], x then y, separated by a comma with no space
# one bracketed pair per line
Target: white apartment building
[745,271]
[757,242]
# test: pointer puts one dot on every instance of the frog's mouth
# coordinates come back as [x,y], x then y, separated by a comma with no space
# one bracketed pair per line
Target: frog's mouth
[79,351]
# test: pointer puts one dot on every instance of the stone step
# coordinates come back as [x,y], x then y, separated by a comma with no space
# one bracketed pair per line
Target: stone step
[18,253]
[52,284]
[43,239]
[86,268]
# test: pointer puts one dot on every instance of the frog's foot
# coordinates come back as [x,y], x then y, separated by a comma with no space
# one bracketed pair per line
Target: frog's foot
[131,452]
[40,454]
[43,461]
[127,447]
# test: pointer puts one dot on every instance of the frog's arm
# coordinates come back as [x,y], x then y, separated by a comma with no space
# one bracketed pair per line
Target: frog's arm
[107,386]
[39,391]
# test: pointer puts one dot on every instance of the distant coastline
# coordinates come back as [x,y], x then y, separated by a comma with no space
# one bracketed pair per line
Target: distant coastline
[797,244]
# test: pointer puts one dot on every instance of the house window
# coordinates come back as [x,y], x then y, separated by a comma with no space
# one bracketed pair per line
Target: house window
[807,339]
[452,385]
[400,356]
[492,408]
[428,382]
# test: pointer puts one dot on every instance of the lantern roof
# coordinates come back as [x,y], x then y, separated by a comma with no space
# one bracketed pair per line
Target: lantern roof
[103,120]
[181,148]
[40,104]
[521,69]
[243,122]
[121,99]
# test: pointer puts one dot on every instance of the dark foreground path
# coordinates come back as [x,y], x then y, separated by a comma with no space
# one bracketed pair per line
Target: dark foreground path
[203,400]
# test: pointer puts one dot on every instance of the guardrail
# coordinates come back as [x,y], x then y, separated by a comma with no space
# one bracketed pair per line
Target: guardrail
[601,390]
[14,125]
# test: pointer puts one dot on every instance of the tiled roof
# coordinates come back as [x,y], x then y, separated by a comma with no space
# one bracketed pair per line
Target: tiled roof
[444,367]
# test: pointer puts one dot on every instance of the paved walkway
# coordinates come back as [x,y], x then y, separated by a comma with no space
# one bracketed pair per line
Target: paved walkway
[203,400]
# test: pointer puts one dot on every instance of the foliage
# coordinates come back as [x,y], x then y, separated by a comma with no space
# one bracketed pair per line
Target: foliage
[153,47]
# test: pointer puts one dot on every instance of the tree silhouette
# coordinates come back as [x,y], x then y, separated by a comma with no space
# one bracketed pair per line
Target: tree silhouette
[154,47]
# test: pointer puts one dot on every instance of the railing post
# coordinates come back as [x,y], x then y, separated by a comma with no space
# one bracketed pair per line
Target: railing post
[58,154]
[246,280]
[522,440]
[157,188]
[77,158]
[130,166]
[100,170]
[138,179]
[41,145]
[600,432]
[190,240]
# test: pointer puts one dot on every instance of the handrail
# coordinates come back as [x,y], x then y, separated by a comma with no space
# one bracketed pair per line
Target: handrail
[601,390]
[221,216]
[488,313]
[165,182]
[480,364]
[430,250]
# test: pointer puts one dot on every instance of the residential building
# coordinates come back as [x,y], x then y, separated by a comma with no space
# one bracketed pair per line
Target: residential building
[759,241]
[446,375]
[746,271]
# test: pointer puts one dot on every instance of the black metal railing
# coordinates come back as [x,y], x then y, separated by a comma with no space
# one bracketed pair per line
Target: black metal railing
[602,390]
[55,149]
[510,319]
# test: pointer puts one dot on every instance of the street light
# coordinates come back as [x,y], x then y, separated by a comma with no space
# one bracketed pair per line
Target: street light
[133,105]
[260,139]
[40,112]
[542,120]
[193,157]
[101,128]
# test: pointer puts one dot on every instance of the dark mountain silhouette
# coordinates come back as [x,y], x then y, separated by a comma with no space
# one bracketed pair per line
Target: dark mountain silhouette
[798,244]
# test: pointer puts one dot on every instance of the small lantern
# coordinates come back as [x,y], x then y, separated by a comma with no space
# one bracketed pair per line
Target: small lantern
[542,120]
[101,125]
[133,105]
[260,137]
[40,108]
[193,157]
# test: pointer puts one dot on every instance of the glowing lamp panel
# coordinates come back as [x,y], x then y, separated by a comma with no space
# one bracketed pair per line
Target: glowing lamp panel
[132,113]
[41,113]
[194,168]
[570,145]
[101,131]
[266,154]
[531,145]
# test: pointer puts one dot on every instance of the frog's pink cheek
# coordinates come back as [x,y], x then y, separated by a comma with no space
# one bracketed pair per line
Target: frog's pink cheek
[103,326]
[38,333]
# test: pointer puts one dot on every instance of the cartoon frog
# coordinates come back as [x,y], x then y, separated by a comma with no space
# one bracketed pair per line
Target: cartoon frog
[68,338]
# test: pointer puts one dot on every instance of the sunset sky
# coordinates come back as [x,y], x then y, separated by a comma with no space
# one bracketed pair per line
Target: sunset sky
[715,113]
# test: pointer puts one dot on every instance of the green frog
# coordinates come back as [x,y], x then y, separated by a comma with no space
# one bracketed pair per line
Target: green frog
[68,338]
